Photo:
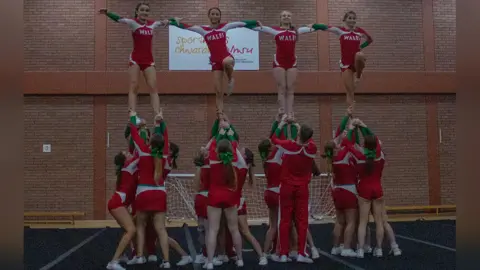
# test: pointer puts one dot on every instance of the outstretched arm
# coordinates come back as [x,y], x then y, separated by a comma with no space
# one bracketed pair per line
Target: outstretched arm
[328,28]
[266,29]
[194,28]
[117,18]
[250,24]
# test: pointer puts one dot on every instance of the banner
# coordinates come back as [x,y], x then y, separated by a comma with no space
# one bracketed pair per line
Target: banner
[188,50]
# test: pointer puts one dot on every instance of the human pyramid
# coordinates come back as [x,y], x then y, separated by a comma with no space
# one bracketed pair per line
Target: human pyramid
[223,165]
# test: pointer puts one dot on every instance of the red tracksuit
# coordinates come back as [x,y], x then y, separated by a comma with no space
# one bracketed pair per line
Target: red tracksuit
[295,177]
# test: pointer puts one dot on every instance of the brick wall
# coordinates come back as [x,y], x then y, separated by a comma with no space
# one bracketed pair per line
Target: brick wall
[60,37]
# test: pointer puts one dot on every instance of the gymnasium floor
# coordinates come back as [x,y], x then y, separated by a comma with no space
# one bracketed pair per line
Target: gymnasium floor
[428,245]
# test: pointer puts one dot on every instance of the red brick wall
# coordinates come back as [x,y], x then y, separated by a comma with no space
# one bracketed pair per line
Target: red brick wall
[58,36]
[63,179]
[444,12]
[398,39]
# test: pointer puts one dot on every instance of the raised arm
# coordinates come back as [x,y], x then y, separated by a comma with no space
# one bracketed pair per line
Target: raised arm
[161,128]
[250,24]
[194,28]
[140,144]
[288,145]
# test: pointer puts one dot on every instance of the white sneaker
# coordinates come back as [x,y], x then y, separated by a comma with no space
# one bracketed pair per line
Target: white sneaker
[165,265]
[283,259]
[123,259]
[115,265]
[396,250]
[200,259]
[304,259]
[368,249]
[208,266]
[230,87]
[315,254]
[152,258]
[360,253]
[293,254]
[239,263]
[137,260]
[377,252]
[274,257]
[336,250]
[224,258]
[348,253]
[263,260]
[185,260]
[217,261]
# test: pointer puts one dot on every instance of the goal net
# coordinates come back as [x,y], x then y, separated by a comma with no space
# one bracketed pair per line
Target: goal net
[181,196]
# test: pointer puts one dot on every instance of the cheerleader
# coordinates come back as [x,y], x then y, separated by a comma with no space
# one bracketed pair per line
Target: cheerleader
[201,198]
[344,193]
[151,197]
[125,168]
[352,60]
[215,36]
[285,60]
[370,163]
[244,167]
[141,58]
[295,177]
[221,197]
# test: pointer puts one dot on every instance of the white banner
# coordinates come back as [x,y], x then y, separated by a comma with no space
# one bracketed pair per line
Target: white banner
[188,50]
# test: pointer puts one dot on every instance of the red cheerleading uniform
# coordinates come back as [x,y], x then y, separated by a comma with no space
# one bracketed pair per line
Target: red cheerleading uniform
[285,40]
[369,186]
[350,44]
[273,168]
[201,199]
[142,35]
[216,39]
[295,176]
[149,195]
[220,195]
[125,192]
[241,169]
[344,192]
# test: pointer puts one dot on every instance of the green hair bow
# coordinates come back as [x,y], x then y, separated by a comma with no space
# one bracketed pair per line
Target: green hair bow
[329,153]
[226,158]
[370,153]
[263,155]
[157,152]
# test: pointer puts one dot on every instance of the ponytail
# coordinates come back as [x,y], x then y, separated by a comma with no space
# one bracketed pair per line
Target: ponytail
[157,154]
[158,174]
[229,171]
[328,156]
[119,162]
[264,150]
[315,169]
[370,155]
[118,173]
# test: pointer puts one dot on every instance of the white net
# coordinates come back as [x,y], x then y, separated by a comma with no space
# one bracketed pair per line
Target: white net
[181,197]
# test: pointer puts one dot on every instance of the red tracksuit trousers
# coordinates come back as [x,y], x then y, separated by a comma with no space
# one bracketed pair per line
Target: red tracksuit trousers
[293,206]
